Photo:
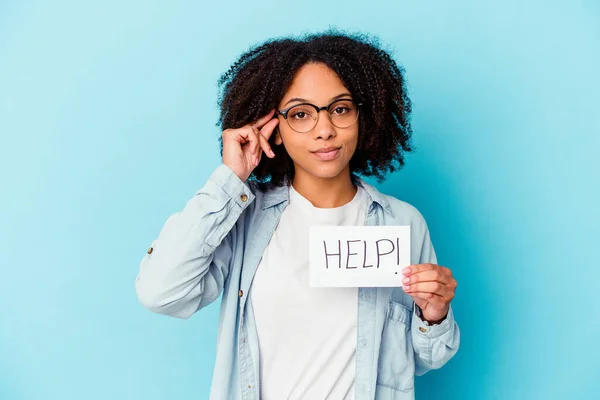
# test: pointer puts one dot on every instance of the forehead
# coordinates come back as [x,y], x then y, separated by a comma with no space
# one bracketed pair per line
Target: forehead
[316,83]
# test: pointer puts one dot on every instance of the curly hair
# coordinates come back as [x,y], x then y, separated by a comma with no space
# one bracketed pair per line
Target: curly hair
[258,80]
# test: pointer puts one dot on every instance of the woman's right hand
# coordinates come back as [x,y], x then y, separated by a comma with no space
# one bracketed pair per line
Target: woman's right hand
[243,147]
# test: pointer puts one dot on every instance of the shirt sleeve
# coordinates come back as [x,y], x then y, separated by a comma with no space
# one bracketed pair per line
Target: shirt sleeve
[186,266]
[434,345]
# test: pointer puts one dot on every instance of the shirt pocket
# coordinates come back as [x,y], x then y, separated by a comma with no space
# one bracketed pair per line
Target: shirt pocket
[396,365]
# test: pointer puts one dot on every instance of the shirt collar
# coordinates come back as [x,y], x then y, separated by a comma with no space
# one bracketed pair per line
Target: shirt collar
[280,194]
[375,196]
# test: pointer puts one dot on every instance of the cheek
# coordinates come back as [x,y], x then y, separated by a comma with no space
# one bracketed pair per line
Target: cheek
[352,143]
[294,144]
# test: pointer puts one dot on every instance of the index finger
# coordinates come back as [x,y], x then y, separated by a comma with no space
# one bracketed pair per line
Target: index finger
[268,128]
[262,120]
[416,268]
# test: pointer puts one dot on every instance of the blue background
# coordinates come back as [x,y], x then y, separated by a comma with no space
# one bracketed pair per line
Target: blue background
[107,123]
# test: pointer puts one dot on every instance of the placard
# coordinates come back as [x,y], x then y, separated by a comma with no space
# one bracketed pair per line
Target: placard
[358,256]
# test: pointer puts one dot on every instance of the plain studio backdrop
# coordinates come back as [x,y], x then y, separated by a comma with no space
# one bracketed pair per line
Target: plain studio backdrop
[108,126]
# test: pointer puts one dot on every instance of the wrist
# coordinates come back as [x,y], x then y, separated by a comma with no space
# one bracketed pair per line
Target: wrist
[436,322]
[430,321]
[242,175]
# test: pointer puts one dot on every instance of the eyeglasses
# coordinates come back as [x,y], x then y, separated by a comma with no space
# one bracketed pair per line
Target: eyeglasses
[304,117]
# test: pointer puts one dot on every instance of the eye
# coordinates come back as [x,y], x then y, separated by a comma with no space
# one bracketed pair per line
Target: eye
[341,107]
[340,110]
[301,112]
[298,115]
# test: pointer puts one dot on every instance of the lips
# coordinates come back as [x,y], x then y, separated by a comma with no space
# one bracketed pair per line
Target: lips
[328,153]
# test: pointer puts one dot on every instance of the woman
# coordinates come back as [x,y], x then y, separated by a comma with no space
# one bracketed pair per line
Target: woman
[301,119]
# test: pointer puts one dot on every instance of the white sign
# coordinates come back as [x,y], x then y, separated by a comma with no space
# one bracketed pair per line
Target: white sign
[358,256]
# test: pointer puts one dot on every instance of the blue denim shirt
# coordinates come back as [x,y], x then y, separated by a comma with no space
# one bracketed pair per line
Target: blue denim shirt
[214,246]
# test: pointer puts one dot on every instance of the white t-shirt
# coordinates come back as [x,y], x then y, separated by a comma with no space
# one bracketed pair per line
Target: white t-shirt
[307,336]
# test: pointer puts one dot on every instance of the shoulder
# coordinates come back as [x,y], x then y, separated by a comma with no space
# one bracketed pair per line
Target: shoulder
[404,213]
[267,196]
[404,208]
[399,211]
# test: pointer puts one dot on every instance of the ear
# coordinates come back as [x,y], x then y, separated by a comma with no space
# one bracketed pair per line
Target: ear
[278,139]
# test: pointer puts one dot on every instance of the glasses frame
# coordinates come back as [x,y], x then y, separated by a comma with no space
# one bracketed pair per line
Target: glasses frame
[284,113]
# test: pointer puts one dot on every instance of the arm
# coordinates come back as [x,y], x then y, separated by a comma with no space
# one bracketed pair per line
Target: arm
[190,260]
[434,344]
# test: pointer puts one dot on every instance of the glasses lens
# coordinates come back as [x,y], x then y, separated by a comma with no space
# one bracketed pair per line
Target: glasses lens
[343,113]
[302,118]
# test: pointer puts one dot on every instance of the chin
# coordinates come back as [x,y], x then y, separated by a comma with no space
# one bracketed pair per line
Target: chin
[327,171]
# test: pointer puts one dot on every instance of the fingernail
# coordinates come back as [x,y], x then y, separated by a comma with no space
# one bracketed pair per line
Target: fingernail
[406,280]
[406,288]
[406,271]
[271,153]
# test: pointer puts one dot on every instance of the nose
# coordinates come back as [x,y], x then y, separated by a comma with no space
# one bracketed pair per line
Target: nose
[324,129]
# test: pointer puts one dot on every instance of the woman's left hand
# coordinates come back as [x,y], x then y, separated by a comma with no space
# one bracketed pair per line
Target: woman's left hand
[432,288]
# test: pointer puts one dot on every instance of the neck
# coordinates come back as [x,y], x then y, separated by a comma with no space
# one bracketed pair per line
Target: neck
[325,192]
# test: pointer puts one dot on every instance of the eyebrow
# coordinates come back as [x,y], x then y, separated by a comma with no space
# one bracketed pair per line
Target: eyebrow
[339,96]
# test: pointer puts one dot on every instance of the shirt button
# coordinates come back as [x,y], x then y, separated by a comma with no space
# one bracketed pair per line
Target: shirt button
[422,329]
[241,293]
[244,198]
[150,250]
[249,386]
